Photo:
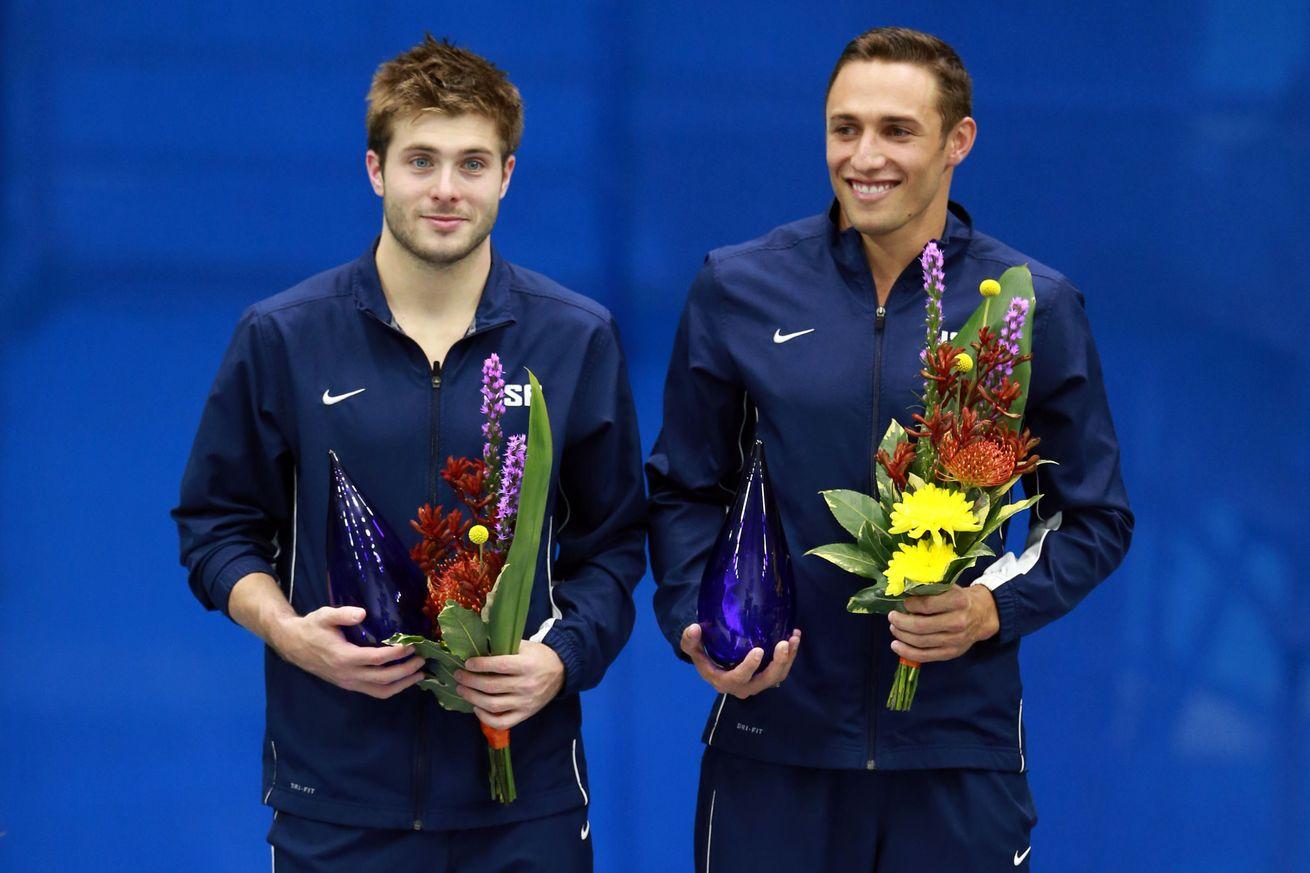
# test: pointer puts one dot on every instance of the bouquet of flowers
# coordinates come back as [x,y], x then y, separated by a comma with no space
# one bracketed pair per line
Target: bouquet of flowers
[944,486]
[480,568]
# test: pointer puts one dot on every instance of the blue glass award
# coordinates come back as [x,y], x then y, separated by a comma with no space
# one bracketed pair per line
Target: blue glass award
[747,595]
[368,566]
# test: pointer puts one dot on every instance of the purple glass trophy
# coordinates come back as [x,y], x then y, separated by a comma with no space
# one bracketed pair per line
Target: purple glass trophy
[368,566]
[747,596]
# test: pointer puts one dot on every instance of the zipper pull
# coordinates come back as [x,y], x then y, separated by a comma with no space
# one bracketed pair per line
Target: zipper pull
[436,374]
[882,318]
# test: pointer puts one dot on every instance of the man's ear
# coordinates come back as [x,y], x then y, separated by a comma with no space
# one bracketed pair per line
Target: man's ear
[508,171]
[373,163]
[960,141]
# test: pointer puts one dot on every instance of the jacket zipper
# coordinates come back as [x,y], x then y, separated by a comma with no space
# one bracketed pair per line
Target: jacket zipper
[421,745]
[421,753]
[879,323]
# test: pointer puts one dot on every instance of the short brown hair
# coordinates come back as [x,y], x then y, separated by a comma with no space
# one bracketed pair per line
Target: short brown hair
[442,77]
[954,87]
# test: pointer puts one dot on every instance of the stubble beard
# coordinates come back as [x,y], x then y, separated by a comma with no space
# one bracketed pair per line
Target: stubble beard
[404,230]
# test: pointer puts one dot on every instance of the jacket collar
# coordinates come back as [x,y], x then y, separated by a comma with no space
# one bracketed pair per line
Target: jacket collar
[848,251]
[493,306]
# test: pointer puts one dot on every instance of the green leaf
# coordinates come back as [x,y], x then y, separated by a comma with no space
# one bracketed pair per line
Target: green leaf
[872,600]
[442,684]
[462,631]
[853,509]
[1015,282]
[508,614]
[424,646]
[851,558]
[1002,513]
[871,543]
[914,589]
[913,482]
[960,564]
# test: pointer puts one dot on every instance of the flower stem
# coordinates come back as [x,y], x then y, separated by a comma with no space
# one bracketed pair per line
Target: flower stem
[904,684]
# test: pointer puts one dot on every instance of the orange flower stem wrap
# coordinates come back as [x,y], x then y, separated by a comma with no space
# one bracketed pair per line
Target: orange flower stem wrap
[904,684]
[496,738]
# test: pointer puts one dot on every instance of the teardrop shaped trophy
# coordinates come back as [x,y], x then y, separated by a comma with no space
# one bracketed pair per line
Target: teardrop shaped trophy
[368,566]
[747,594]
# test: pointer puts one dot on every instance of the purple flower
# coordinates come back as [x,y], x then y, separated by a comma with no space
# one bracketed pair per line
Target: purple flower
[1011,334]
[493,408]
[511,479]
[934,285]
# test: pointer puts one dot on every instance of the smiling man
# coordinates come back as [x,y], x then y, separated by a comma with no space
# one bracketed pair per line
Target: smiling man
[808,338]
[381,361]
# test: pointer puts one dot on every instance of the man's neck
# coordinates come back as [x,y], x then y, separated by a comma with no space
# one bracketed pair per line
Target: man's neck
[888,255]
[417,290]
[433,305]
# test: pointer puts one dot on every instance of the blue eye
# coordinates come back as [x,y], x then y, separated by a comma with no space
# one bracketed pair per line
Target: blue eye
[421,163]
[474,165]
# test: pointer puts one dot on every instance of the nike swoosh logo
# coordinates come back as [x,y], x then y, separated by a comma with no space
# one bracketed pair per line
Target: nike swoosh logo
[586,829]
[1018,859]
[328,399]
[780,337]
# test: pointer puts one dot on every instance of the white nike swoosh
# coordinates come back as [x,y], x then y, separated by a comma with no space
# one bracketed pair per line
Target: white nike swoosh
[780,337]
[328,399]
[586,829]
[1018,859]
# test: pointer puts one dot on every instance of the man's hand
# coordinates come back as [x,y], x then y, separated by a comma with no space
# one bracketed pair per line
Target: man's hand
[741,681]
[939,627]
[314,643]
[508,689]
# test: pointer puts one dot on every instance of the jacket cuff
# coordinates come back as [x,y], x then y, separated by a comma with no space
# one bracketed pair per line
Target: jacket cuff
[220,587]
[565,645]
[1007,613]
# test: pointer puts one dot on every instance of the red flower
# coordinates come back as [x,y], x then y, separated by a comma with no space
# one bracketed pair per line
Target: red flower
[466,579]
[898,464]
[468,479]
[443,535]
[986,458]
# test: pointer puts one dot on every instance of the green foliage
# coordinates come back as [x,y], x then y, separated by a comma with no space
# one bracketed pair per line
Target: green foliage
[874,599]
[508,614]
[462,632]
[851,558]
[1015,282]
[441,666]
[853,510]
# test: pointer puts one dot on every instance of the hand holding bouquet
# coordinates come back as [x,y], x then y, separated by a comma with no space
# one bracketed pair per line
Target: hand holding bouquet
[943,487]
[480,569]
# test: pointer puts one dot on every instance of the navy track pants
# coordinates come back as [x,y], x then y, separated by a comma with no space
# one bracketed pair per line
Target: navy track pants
[757,817]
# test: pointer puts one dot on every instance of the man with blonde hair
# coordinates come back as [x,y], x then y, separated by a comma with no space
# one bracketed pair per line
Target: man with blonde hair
[381,360]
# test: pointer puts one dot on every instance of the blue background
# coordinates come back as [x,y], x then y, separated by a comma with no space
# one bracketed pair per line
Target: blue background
[162,166]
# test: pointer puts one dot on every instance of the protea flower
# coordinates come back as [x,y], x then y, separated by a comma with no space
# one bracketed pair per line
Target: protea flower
[987,460]
[466,579]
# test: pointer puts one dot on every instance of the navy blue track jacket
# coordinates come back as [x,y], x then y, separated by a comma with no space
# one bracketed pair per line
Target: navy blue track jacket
[254,499]
[744,366]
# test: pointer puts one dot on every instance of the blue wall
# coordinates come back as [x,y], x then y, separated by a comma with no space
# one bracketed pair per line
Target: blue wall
[163,166]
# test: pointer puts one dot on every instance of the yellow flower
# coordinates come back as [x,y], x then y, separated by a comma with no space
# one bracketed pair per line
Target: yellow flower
[478,534]
[919,563]
[989,288]
[963,363]
[933,510]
